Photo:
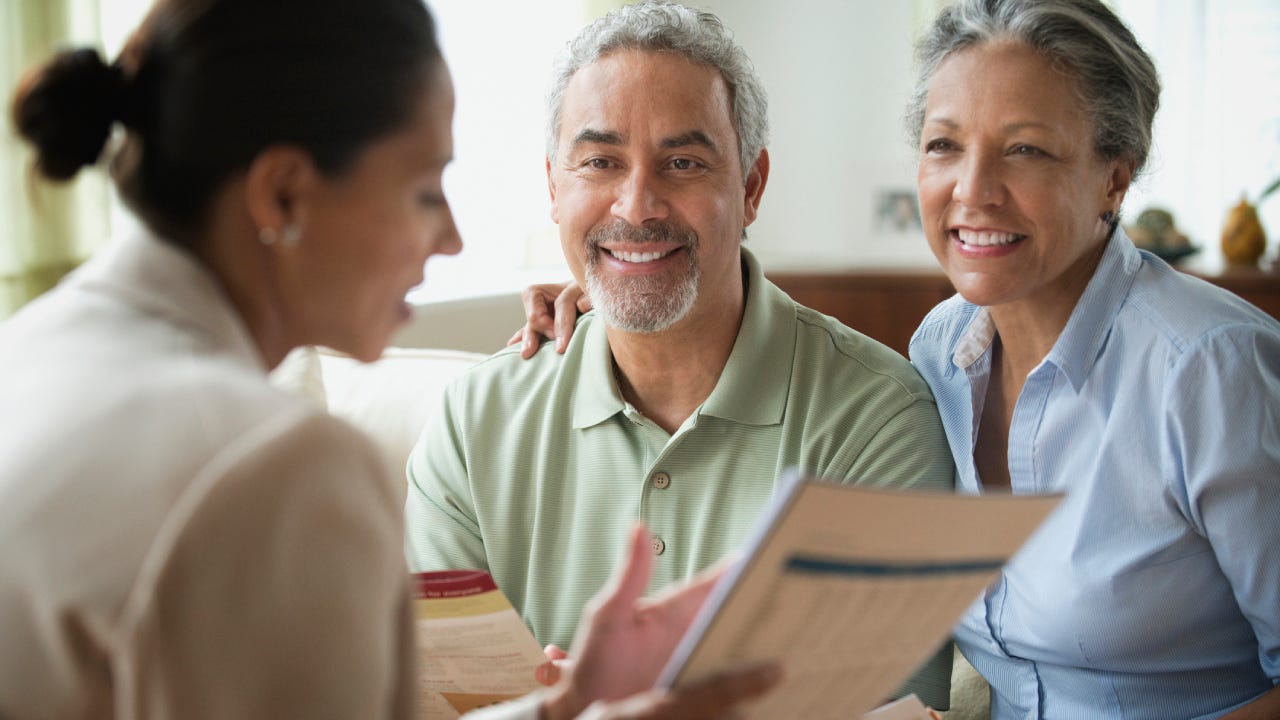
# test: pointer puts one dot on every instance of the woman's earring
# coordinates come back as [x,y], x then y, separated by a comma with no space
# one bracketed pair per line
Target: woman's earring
[1108,217]
[289,236]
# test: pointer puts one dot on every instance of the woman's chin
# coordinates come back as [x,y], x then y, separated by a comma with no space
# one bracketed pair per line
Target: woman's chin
[984,288]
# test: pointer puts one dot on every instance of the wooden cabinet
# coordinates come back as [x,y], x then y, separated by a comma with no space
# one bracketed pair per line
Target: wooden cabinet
[888,304]
[1260,286]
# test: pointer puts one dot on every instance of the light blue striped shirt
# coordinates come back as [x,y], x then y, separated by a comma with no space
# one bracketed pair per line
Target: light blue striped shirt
[1154,590]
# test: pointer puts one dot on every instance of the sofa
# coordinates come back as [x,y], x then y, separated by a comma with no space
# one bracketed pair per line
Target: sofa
[393,398]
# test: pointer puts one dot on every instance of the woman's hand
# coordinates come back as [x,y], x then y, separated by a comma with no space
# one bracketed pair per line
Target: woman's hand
[550,311]
[558,664]
[624,641]
[712,698]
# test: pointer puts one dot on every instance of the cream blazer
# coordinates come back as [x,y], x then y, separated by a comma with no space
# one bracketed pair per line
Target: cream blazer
[177,538]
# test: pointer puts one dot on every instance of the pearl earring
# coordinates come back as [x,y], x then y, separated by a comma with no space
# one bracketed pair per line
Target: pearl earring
[291,234]
[288,237]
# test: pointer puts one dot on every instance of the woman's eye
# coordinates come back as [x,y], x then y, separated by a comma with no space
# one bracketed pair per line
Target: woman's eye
[940,145]
[431,200]
[1028,150]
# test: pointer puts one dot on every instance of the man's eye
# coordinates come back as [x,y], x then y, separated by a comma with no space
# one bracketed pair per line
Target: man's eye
[682,164]
[598,164]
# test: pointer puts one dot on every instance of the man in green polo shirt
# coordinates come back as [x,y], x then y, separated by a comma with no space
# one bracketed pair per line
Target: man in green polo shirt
[695,381]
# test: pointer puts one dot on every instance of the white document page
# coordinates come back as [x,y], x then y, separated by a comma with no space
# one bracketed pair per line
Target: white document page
[851,590]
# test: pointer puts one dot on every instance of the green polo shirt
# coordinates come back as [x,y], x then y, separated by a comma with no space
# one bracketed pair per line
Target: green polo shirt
[535,469]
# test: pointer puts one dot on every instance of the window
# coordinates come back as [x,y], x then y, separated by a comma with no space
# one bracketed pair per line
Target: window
[1217,134]
[496,184]
[835,117]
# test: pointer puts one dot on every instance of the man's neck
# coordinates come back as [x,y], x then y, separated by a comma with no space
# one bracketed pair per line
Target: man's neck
[667,375]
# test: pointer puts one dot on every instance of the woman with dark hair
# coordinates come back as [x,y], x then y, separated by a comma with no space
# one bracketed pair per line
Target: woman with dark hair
[178,538]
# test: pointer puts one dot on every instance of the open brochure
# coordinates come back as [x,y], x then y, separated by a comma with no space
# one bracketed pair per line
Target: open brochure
[851,589]
[474,650]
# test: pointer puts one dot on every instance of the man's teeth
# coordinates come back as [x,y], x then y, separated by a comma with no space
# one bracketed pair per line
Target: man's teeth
[971,237]
[638,257]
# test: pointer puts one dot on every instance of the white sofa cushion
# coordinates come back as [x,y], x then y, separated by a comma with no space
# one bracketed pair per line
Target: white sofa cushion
[391,399]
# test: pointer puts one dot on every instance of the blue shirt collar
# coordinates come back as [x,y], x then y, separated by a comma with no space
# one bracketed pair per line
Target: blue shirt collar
[1089,325]
[1087,330]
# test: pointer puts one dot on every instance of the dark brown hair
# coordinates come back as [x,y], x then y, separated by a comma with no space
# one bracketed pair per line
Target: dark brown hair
[205,85]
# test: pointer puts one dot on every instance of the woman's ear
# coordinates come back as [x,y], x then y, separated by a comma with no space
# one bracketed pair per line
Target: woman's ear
[1118,183]
[278,186]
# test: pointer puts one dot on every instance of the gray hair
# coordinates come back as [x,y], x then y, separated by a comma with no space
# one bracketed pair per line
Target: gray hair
[658,26]
[1117,81]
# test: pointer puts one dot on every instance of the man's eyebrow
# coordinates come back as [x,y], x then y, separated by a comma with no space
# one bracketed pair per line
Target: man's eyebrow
[693,137]
[597,137]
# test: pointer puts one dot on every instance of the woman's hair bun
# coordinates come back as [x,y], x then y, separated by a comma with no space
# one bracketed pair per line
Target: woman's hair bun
[65,109]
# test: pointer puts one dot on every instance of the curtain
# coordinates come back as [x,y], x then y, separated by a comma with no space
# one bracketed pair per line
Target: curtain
[46,230]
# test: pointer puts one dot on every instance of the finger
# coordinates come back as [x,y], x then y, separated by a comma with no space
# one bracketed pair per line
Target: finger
[518,337]
[584,303]
[566,315]
[681,601]
[553,652]
[542,320]
[537,301]
[629,583]
[529,345]
[548,673]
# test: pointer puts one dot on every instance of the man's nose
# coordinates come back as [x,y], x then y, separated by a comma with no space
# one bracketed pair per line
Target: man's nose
[639,198]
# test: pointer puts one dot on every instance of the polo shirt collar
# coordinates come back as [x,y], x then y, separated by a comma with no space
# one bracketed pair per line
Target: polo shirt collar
[597,397]
[753,386]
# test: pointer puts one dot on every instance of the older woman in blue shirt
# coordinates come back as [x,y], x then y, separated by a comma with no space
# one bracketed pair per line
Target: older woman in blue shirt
[1072,362]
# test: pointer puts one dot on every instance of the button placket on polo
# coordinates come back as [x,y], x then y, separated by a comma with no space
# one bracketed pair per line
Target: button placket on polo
[659,480]
[658,545]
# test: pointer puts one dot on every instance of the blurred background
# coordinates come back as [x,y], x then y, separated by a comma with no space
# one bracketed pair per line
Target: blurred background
[838,72]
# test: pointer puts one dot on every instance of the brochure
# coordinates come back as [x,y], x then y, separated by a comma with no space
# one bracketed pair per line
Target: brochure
[851,589]
[473,649]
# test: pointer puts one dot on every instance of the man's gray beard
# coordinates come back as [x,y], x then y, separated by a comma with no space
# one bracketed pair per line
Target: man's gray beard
[641,304]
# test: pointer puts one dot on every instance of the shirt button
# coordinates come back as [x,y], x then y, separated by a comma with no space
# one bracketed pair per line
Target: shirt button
[659,547]
[661,480]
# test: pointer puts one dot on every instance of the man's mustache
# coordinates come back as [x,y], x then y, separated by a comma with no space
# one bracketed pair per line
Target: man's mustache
[652,232]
